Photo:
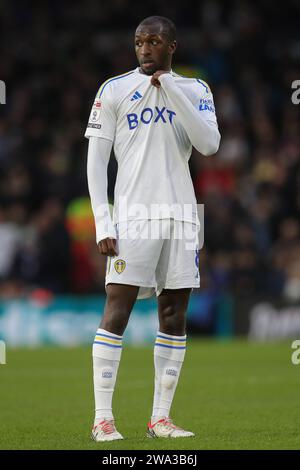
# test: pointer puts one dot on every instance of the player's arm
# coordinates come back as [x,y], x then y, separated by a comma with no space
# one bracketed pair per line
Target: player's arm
[101,131]
[202,129]
[98,157]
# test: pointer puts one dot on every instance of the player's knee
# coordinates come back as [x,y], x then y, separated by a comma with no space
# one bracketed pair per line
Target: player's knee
[172,320]
[116,322]
[169,378]
[168,312]
[106,378]
[167,316]
[172,312]
[115,318]
[118,305]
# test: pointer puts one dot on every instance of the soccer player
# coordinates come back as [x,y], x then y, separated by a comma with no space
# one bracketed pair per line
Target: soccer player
[152,117]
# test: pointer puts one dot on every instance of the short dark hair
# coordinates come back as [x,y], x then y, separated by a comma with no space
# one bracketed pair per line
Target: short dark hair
[169,28]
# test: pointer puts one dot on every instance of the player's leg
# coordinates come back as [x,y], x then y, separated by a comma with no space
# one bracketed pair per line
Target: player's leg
[177,274]
[134,266]
[107,351]
[169,352]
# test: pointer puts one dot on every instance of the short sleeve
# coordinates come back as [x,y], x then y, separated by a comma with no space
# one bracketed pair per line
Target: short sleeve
[203,100]
[102,120]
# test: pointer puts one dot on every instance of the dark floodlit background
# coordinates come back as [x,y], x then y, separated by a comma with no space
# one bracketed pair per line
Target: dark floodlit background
[54,56]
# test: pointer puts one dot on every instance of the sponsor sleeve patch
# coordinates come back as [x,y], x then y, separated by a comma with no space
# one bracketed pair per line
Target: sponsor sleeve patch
[206,105]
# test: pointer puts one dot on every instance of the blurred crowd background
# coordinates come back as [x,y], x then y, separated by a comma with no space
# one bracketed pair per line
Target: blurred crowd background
[55,55]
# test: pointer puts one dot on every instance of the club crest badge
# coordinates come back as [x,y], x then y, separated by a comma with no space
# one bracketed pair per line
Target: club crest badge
[120,265]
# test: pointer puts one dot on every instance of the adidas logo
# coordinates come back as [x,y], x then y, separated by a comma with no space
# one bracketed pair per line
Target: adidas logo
[136,96]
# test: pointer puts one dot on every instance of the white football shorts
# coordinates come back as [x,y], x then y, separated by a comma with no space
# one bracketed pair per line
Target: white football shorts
[155,255]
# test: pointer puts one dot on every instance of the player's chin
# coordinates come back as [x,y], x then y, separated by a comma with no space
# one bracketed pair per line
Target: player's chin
[149,69]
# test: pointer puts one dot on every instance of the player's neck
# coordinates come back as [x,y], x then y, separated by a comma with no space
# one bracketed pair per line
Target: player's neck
[166,68]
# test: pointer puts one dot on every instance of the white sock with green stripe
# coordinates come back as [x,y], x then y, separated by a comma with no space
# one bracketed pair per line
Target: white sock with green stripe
[107,349]
[169,352]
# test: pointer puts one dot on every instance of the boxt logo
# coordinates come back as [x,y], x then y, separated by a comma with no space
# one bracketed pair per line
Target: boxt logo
[148,114]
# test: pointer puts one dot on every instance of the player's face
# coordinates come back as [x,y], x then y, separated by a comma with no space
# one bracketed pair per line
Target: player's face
[153,49]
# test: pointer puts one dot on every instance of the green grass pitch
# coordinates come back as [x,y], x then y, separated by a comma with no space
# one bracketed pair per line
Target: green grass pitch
[233,395]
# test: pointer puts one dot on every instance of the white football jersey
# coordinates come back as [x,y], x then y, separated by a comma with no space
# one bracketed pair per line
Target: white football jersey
[151,146]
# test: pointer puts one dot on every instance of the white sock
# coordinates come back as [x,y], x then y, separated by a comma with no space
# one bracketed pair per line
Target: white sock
[107,349]
[169,352]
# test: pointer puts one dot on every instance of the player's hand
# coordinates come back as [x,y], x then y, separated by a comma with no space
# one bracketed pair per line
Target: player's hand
[154,79]
[108,247]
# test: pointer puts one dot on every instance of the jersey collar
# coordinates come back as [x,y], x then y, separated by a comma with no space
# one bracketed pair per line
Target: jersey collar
[137,70]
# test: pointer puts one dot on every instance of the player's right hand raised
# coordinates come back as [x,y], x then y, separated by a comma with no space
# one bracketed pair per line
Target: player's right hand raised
[108,247]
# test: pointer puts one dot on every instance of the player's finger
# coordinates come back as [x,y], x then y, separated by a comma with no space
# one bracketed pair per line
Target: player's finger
[155,82]
[112,250]
[103,247]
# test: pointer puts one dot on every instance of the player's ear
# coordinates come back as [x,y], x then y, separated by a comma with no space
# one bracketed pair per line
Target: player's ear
[172,47]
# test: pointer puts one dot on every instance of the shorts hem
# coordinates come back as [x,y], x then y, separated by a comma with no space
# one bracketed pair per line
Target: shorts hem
[188,285]
[131,283]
